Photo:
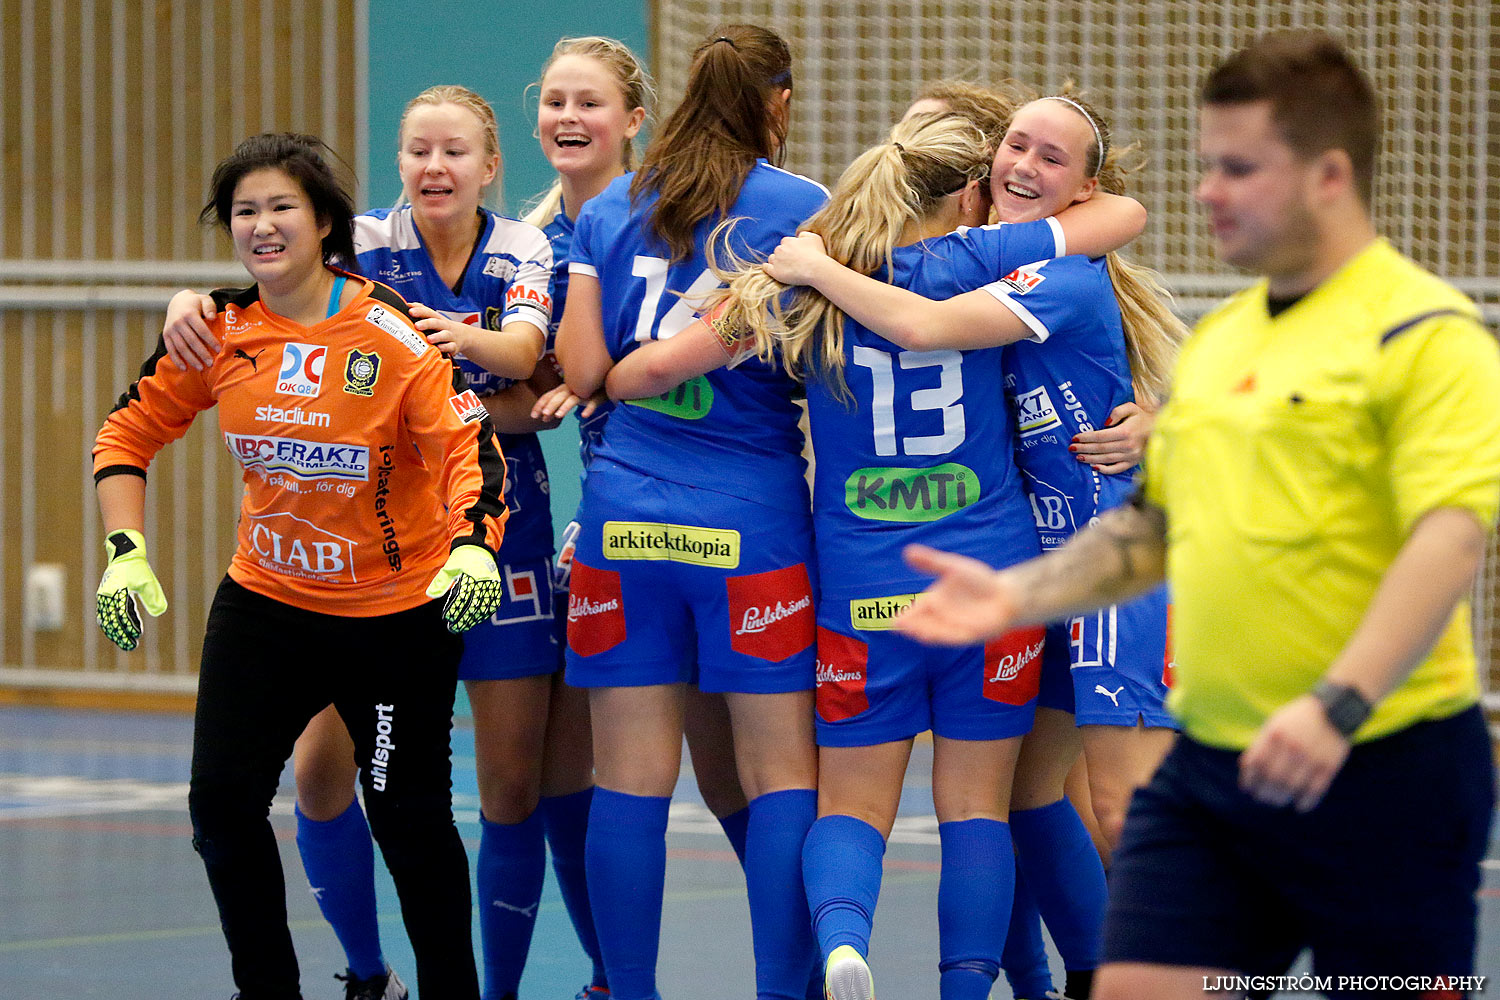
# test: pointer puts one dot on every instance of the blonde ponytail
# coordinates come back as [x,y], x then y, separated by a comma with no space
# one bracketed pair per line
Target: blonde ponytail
[886,188]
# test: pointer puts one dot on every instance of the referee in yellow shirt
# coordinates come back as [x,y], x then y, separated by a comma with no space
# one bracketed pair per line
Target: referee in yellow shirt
[1318,491]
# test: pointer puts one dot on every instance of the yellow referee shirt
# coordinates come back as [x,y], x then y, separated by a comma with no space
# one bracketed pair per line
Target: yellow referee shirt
[1292,460]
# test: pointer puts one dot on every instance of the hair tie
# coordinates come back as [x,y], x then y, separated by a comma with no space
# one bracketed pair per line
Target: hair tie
[723,38]
[899,148]
[1098,137]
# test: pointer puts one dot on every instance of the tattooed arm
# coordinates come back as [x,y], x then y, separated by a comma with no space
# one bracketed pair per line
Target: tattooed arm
[1121,556]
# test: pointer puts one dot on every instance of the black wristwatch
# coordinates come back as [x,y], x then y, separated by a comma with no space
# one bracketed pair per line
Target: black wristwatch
[1345,707]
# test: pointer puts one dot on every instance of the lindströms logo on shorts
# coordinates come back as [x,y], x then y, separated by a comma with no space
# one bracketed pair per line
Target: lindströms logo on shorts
[1013,666]
[911,495]
[385,716]
[689,401]
[771,614]
[301,372]
[843,662]
[877,614]
[684,543]
[300,459]
[596,610]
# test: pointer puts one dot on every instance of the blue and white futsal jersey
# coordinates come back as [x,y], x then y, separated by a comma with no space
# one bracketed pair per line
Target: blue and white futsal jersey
[508,278]
[733,432]
[591,428]
[1064,379]
[923,454]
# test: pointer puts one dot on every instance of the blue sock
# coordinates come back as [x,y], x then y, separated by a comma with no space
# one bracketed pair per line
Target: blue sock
[841,866]
[566,818]
[1025,955]
[339,859]
[512,863]
[974,897]
[1066,876]
[780,924]
[626,852]
[736,825]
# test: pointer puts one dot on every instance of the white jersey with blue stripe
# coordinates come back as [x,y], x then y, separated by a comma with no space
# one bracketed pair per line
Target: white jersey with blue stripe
[1064,379]
[924,453]
[508,277]
[734,431]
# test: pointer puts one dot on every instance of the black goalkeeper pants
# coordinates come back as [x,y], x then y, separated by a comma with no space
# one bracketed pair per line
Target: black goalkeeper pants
[267,669]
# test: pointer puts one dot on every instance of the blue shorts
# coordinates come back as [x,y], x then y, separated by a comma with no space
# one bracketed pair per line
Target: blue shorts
[1110,667]
[877,686]
[1379,879]
[672,583]
[520,638]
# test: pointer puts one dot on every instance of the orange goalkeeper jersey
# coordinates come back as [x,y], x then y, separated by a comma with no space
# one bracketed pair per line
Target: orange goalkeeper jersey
[354,435]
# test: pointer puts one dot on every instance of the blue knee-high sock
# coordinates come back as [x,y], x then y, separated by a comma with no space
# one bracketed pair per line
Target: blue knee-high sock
[1065,874]
[841,866]
[736,826]
[339,859]
[974,897]
[781,928]
[1025,956]
[626,852]
[566,818]
[512,863]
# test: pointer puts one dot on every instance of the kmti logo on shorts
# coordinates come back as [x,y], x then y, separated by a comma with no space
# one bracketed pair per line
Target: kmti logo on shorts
[771,614]
[684,543]
[298,458]
[911,494]
[843,662]
[689,401]
[1013,666]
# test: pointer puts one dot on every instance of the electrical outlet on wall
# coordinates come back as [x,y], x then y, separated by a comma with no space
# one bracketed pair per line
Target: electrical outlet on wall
[45,587]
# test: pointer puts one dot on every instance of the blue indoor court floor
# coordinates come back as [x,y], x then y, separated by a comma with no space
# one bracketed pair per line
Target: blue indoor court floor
[101,894]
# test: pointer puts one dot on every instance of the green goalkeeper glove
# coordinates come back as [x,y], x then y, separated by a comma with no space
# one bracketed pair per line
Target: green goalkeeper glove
[127,575]
[471,580]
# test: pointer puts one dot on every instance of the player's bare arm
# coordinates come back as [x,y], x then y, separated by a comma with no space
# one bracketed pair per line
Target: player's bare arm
[1119,557]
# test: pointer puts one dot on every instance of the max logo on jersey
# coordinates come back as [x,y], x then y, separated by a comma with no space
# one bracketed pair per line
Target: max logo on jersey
[517,294]
[771,614]
[843,666]
[301,369]
[1024,279]
[467,406]
[301,459]
[361,371]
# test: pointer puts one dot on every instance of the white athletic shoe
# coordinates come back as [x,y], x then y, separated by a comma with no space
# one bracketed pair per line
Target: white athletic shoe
[847,976]
[386,986]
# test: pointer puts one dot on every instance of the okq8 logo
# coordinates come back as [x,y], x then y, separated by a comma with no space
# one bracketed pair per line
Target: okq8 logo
[301,369]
